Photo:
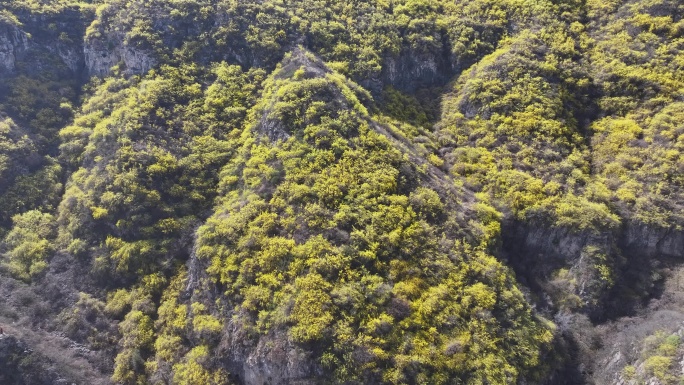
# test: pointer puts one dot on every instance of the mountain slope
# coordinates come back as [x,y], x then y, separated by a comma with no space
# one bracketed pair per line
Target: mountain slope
[412,191]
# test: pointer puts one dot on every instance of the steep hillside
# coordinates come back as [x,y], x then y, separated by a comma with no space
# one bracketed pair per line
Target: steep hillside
[341,192]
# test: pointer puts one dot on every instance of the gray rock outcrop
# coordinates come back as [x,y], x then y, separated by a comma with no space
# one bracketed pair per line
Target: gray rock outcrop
[13,42]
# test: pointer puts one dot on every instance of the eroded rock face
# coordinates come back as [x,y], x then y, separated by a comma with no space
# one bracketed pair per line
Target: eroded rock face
[72,58]
[652,241]
[411,70]
[540,250]
[43,44]
[278,362]
[537,253]
[272,360]
[13,42]
[101,57]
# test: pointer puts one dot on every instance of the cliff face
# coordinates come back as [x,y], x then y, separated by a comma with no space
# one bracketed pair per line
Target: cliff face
[651,241]
[411,70]
[37,43]
[102,55]
[273,360]
[13,43]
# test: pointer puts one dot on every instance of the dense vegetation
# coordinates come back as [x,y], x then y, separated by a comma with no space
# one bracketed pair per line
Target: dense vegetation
[400,192]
